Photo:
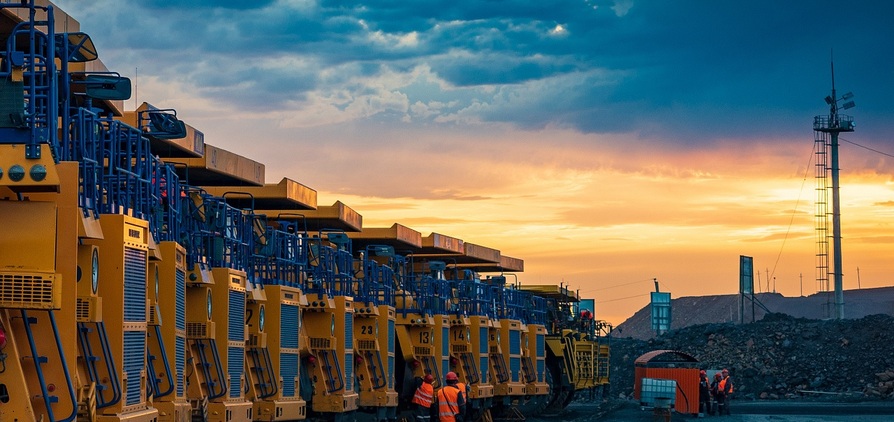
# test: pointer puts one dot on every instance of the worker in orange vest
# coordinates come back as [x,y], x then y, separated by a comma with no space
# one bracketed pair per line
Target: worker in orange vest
[450,400]
[725,387]
[465,390]
[704,393]
[716,395]
[423,399]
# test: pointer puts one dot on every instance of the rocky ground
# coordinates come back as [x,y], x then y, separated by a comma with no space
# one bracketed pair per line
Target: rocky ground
[780,357]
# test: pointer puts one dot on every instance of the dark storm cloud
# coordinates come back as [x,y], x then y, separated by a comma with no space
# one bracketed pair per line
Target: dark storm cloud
[684,71]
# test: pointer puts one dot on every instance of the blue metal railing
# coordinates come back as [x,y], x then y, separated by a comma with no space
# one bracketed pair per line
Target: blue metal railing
[214,233]
[535,310]
[127,178]
[191,227]
[375,284]
[82,144]
[32,118]
[513,303]
[165,199]
[473,297]
[228,233]
[422,293]
[330,265]
[280,258]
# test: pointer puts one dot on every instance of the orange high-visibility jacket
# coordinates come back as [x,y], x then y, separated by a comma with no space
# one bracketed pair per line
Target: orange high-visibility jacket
[722,386]
[464,390]
[424,395]
[448,403]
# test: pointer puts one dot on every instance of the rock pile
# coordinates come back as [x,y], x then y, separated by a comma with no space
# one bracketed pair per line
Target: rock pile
[883,386]
[780,356]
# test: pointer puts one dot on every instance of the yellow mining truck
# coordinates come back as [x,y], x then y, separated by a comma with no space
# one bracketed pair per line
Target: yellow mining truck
[577,345]
[146,275]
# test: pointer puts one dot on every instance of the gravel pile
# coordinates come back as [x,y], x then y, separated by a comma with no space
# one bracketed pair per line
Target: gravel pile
[780,356]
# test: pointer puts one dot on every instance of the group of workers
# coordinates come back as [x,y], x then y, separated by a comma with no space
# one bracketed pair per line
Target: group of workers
[448,404]
[714,395]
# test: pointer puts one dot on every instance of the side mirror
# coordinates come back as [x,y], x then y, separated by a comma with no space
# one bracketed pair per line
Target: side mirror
[383,250]
[107,87]
[165,126]
[338,238]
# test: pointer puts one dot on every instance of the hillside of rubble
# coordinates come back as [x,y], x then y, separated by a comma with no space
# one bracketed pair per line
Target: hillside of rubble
[695,310]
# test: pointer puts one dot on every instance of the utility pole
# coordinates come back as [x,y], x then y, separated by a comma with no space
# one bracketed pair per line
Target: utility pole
[858,278]
[758,281]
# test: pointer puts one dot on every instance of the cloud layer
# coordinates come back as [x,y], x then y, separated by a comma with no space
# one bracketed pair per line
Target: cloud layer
[683,72]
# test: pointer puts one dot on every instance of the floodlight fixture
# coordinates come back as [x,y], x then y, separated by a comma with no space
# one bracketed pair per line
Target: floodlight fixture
[829,99]
[847,105]
[847,96]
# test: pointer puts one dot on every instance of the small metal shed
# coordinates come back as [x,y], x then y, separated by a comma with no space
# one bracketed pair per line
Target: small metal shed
[672,365]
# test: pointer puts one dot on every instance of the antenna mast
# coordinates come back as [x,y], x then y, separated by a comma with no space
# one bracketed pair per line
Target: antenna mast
[826,130]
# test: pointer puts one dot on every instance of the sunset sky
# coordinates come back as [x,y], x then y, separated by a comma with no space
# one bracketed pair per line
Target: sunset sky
[605,143]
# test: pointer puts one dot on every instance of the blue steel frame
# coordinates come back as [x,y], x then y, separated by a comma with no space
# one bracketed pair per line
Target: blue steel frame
[38,121]
[280,255]
[330,269]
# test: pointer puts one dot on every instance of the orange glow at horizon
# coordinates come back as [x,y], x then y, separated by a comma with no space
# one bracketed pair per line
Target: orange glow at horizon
[608,231]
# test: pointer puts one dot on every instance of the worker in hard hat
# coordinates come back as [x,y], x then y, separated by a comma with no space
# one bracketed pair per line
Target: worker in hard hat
[716,394]
[725,387]
[451,400]
[704,393]
[464,390]
[423,398]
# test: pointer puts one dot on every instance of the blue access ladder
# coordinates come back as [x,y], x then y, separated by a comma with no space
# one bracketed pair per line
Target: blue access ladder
[205,350]
[329,257]
[497,310]
[474,299]
[375,288]
[194,235]
[40,360]
[262,367]
[521,300]
[159,387]
[100,365]
[280,258]
[535,313]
